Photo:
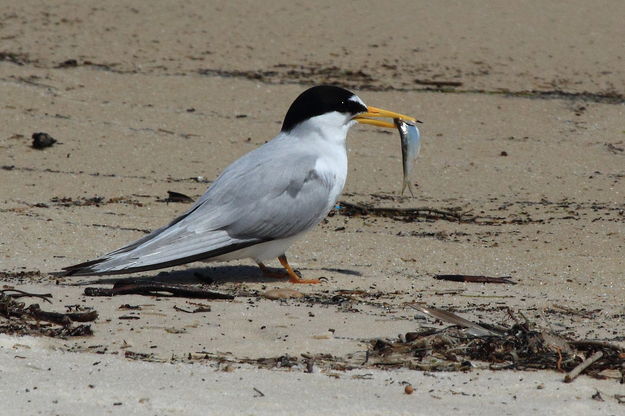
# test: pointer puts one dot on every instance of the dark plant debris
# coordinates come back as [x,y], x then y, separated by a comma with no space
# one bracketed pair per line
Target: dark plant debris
[86,202]
[14,57]
[18,319]
[366,81]
[199,309]
[438,83]
[521,346]
[463,346]
[405,214]
[69,63]
[474,279]
[173,196]
[133,287]
[42,140]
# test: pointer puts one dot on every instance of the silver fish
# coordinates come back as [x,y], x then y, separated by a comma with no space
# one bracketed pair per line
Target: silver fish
[410,146]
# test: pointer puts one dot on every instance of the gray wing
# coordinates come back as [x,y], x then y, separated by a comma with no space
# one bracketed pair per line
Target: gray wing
[270,193]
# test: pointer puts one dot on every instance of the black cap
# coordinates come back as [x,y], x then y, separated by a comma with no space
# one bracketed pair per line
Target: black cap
[320,100]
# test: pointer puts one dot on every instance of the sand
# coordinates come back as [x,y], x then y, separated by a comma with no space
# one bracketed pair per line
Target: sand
[522,107]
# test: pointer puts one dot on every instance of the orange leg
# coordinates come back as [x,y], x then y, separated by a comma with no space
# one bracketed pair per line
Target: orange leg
[293,277]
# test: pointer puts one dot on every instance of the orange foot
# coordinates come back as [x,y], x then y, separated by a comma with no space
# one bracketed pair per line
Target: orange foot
[293,276]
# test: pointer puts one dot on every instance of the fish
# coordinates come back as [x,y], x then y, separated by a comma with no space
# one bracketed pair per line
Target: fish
[410,147]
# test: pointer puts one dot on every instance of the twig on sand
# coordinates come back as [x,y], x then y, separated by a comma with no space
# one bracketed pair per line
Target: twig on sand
[155,289]
[408,214]
[474,279]
[572,375]
[22,294]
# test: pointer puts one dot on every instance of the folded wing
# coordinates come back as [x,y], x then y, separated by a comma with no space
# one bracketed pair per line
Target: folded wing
[266,195]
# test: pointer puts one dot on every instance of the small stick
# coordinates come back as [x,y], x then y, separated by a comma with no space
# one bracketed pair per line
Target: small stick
[437,83]
[155,289]
[427,213]
[596,344]
[176,307]
[21,293]
[82,316]
[582,366]
[474,279]
[559,363]
[54,317]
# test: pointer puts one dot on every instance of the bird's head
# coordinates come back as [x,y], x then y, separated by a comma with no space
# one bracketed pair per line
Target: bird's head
[335,107]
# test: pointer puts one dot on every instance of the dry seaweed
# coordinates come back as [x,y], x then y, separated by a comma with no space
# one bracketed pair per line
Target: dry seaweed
[463,346]
[19,319]
[519,347]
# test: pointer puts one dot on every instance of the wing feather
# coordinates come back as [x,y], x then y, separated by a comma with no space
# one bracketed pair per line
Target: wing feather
[270,193]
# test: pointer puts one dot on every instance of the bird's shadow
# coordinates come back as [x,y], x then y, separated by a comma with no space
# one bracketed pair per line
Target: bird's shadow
[207,275]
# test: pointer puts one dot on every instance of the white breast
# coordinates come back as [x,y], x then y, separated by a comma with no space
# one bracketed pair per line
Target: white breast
[333,166]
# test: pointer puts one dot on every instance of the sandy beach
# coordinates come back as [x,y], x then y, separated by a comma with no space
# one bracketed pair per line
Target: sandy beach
[522,139]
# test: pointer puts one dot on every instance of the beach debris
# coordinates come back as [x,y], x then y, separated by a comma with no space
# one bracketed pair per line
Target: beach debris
[405,214]
[173,196]
[572,375]
[410,147]
[129,307]
[438,83]
[408,389]
[42,140]
[462,346]
[326,335]
[21,293]
[143,356]
[18,318]
[282,293]
[14,57]
[199,309]
[614,149]
[69,63]
[452,318]
[129,317]
[134,287]
[521,346]
[474,279]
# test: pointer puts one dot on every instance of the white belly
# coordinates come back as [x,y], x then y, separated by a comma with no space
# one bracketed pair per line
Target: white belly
[260,252]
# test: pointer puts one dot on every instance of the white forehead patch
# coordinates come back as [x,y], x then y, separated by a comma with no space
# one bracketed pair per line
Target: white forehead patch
[356,99]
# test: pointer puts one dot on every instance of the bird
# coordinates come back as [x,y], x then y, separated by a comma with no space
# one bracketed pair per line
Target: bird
[265,200]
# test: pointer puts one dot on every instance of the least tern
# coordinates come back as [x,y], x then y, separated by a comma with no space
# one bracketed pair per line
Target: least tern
[264,201]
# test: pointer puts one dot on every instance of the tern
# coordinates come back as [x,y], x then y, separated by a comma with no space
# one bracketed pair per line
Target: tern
[264,201]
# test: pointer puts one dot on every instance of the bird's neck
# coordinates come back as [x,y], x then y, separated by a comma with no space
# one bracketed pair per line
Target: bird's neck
[329,128]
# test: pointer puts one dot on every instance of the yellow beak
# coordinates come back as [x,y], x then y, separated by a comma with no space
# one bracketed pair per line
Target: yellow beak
[367,118]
